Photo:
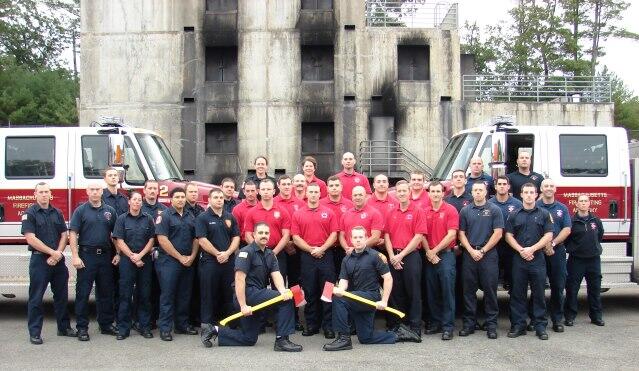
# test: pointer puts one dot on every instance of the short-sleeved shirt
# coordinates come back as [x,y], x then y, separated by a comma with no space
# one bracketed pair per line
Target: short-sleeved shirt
[321,184]
[478,222]
[383,206]
[439,222]
[403,225]
[179,229]
[362,270]
[230,204]
[47,224]
[93,224]
[257,265]
[153,210]
[239,212]
[422,201]
[350,181]
[314,225]
[517,180]
[559,213]
[254,178]
[528,226]
[367,217]
[218,229]
[507,207]
[276,217]
[483,177]
[339,207]
[134,230]
[194,209]
[460,201]
[291,204]
[118,201]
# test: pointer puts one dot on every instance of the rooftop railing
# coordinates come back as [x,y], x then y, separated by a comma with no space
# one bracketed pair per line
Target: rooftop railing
[411,14]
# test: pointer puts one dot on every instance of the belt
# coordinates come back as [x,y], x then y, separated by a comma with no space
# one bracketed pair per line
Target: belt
[36,252]
[94,250]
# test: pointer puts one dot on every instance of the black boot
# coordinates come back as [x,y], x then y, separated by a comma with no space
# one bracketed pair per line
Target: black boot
[404,334]
[343,342]
[284,345]
[208,332]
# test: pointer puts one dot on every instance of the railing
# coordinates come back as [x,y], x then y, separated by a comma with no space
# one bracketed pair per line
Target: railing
[389,157]
[412,13]
[588,89]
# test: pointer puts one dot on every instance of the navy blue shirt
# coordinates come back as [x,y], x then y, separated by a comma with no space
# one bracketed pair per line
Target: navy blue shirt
[136,231]
[559,214]
[459,202]
[93,224]
[153,210]
[529,226]
[478,222]
[517,180]
[195,210]
[362,270]
[230,204]
[118,201]
[257,265]
[219,230]
[507,207]
[179,229]
[47,225]
[487,179]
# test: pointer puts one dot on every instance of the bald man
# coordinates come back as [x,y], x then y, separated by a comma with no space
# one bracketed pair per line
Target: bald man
[477,174]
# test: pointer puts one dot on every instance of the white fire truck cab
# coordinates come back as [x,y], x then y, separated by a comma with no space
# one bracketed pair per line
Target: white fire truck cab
[68,158]
[579,159]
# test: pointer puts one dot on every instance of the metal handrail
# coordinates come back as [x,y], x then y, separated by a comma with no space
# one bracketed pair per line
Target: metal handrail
[391,155]
[588,89]
[417,14]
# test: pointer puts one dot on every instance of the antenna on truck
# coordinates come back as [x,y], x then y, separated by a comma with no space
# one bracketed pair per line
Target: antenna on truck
[108,122]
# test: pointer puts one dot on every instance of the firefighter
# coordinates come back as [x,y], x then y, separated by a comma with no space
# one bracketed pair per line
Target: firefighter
[528,231]
[481,226]
[477,174]
[524,174]
[381,200]
[314,229]
[309,167]
[228,189]
[405,227]
[584,259]
[178,247]
[134,234]
[260,164]
[349,178]
[253,265]
[418,194]
[339,205]
[362,215]
[91,247]
[46,233]
[219,237]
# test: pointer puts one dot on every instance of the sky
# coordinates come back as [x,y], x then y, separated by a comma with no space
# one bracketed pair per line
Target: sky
[622,56]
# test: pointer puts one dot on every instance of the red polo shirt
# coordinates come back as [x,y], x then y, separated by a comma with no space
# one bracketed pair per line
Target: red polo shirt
[239,212]
[339,207]
[314,225]
[276,217]
[422,202]
[291,205]
[367,217]
[350,181]
[322,185]
[402,226]
[383,206]
[439,222]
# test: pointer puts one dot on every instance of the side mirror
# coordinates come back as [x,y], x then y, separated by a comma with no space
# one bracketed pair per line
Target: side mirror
[498,154]
[116,150]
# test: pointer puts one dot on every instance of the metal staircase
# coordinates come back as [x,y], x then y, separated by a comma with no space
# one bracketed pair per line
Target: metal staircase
[389,157]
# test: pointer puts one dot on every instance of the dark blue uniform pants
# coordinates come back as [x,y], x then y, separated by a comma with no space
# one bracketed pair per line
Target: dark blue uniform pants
[216,291]
[175,296]
[315,272]
[132,277]
[40,275]
[98,269]
[484,274]
[440,282]
[250,325]
[556,270]
[577,269]
[505,261]
[524,273]
[363,316]
[407,292]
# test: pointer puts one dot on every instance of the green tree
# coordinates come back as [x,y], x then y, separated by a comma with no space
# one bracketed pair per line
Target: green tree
[626,104]
[484,52]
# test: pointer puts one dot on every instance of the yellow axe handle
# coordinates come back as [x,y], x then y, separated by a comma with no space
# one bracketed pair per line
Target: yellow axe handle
[372,304]
[262,305]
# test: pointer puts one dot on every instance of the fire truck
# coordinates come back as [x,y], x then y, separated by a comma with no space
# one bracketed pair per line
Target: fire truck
[68,158]
[579,159]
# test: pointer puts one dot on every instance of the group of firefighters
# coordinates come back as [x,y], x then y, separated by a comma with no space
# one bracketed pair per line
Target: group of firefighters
[184,266]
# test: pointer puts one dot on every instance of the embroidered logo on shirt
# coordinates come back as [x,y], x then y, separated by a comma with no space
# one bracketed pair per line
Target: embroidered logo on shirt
[25,216]
[382,257]
[593,226]
[356,180]
[158,220]
[559,213]
[228,223]
[276,214]
[363,215]
[409,216]
[107,215]
[242,254]
[324,215]
[486,213]
[343,208]
[511,208]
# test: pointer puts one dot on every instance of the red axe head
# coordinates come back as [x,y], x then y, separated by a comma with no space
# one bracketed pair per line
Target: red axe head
[327,293]
[298,295]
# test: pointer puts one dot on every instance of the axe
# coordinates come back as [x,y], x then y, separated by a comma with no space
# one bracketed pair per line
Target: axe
[327,296]
[298,298]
